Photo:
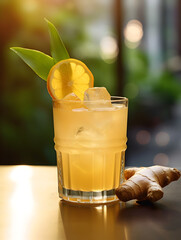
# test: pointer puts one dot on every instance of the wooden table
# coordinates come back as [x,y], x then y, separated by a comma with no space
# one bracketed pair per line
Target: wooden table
[31,210]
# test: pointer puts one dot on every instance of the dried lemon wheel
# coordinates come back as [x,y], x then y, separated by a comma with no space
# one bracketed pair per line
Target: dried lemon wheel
[67,76]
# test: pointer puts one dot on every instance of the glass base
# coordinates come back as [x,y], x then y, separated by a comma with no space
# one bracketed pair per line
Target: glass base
[97,197]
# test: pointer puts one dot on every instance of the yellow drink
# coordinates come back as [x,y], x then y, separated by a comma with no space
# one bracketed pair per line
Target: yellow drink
[90,146]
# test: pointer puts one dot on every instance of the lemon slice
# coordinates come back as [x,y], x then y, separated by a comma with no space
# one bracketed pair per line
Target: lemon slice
[67,76]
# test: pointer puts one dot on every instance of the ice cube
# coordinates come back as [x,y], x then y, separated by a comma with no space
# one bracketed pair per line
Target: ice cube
[97,97]
[71,101]
[72,96]
[96,93]
[85,133]
[87,136]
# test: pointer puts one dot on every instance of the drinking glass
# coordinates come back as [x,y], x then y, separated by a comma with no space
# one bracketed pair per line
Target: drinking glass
[90,144]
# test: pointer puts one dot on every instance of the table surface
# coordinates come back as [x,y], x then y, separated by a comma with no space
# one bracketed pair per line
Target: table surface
[31,210]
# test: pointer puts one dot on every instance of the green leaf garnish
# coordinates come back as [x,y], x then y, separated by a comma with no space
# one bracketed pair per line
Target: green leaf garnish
[39,62]
[58,49]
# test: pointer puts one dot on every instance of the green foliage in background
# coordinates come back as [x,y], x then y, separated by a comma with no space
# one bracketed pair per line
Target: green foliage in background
[147,91]
[167,87]
[164,85]
[26,118]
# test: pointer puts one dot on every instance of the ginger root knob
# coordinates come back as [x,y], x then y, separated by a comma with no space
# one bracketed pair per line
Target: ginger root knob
[146,183]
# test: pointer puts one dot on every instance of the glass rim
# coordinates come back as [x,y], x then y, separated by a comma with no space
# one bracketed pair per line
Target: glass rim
[114,99]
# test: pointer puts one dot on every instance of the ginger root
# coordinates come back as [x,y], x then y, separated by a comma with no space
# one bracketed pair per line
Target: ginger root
[146,183]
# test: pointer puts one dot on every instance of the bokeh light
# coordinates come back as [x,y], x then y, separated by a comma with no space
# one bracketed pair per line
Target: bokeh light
[162,138]
[133,33]
[30,6]
[161,159]
[143,137]
[174,63]
[109,48]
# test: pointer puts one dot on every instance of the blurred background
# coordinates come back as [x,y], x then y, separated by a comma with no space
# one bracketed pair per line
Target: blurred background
[132,48]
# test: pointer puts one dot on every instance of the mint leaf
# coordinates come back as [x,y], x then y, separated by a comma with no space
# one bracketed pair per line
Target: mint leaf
[58,49]
[39,62]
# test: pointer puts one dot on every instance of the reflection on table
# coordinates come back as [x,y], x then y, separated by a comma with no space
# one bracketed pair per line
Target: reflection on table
[92,222]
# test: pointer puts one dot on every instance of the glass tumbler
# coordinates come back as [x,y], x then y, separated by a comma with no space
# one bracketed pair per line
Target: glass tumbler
[90,144]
